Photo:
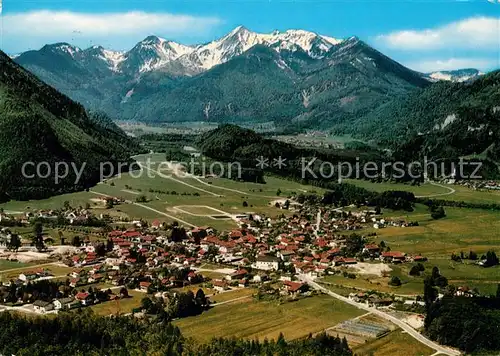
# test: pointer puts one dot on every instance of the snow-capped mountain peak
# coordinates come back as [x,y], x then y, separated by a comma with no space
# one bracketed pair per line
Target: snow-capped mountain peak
[241,39]
[112,59]
[156,53]
[64,48]
[152,53]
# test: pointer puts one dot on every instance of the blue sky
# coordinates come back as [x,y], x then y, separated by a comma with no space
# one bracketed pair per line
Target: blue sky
[424,35]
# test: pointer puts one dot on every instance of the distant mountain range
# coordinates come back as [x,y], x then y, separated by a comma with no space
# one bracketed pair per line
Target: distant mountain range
[296,79]
[39,124]
[457,76]
[158,54]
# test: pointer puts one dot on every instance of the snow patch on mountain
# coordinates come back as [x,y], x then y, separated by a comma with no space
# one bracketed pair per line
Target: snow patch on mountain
[68,49]
[113,59]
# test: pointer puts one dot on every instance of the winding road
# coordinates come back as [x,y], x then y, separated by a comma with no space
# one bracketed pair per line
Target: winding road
[412,332]
[449,192]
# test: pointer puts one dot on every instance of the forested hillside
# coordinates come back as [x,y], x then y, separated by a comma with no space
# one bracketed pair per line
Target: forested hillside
[446,116]
[39,124]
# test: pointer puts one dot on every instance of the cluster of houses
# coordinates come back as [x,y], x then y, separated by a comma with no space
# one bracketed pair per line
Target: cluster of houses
[286,243]
[78,300]
[308,243]
[66,296]
[371,299]
[70,216]
[480,185]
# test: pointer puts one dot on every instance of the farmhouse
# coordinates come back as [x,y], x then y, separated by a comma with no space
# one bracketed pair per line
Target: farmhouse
[266,263]
[295,287]
[393,256]
[84,298]
[371,249]
[41,306]
[64,303]
[144,286]
[220,285]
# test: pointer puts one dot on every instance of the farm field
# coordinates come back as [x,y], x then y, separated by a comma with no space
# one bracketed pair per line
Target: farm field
[237,293]
[199,203]
[94,234]
[418,190]
[461,230]
[395,343]
[410,286]
[432,191]
[124,306]
[459,274]
[6,265]
[473,196]
[250,319]
[55,202]
[194,197]
[55,269]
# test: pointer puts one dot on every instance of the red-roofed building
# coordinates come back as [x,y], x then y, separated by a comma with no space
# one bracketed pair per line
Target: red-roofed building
[393,256]
[320,242]
[239,274]
[84,298]
[131,234]
[295,287]
[115,233]
[220,285]
[371,249]
[236,234]
[350,261]
[156,224]
[334,252]
[338,261]
[74,282]
[324,261]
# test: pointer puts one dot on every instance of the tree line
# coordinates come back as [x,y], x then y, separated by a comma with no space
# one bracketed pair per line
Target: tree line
[84,333]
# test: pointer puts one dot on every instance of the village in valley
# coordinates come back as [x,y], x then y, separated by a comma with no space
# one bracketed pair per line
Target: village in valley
[129,269]
[116,250]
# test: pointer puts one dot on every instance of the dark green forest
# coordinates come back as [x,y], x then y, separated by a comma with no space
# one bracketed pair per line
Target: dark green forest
[83,333]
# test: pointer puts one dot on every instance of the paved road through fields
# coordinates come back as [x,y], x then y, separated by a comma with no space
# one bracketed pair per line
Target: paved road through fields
[412,332]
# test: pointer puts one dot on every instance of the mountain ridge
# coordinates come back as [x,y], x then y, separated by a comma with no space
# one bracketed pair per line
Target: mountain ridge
[295,78]
[155,53]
